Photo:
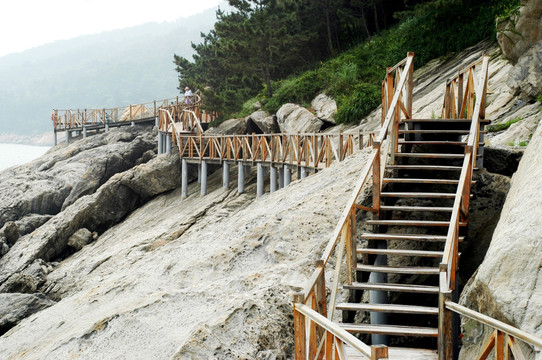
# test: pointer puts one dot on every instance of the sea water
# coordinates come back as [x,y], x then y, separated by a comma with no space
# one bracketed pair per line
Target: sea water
[17,154]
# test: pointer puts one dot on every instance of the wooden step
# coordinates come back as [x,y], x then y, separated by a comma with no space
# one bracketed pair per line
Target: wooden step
[430,155]
[412,223]
[424,195]
[398,270]
[419,181]
[483,121]
[436,142]
[411,237]
[416,208]
[390,330]
[389,308]
[395,353]
[425,167]
[400,252]
[447,131]
[408,288]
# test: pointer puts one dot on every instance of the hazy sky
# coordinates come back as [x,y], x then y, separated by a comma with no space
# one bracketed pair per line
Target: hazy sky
[29,23]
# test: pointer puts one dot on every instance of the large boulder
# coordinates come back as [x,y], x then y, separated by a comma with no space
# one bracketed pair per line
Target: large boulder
[266,123]
[521,30]
[80,238]
[233,126]
[294,118]
[15,307]
[10,233]
[525,79]
[325,108]
[506,286]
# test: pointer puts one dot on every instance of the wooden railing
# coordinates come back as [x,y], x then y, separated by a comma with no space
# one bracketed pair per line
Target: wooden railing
[77,118]
[313,333]
[504,338]
[476,90]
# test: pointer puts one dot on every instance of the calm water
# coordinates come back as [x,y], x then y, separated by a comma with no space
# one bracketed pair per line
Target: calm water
[15,154]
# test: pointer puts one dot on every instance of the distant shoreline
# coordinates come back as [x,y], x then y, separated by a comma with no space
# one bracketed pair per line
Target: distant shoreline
[44,139]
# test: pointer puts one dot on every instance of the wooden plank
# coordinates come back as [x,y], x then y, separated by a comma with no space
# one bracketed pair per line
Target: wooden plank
[412,237]
[425,167]
[400,252]
[431,155]
[411,223]
[457,132]
[420,181]
[395,353]
[389,308]
[398,270]
[417,208]
[390,330]
[419,195]
[299,328]
[392,287]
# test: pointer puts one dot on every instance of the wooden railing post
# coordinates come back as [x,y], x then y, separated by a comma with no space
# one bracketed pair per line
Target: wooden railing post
[341,158]
[376,180]
[379,352]
[299,329]
[445,328]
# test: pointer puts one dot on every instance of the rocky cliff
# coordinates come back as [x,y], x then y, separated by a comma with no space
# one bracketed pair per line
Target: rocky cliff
[103,258]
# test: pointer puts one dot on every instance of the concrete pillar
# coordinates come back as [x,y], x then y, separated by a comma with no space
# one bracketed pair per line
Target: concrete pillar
[203,177]
[287,175]
[298,172]
[156,121]
[168,144]
[379,297]
[259,180]
[247,170]
[199,173]
[160,139]
[226,175]
[304,172]
[67,136]
[55,140]
[184,178]
[84,132]
[106,127]
[240,177]
[132,123]
[281,177]
[272,179]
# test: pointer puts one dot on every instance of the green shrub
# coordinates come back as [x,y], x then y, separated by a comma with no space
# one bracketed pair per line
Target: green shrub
[364,99]
[504,125]
[523,143]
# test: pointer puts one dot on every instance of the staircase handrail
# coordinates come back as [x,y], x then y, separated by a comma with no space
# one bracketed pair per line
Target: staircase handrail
[313,295]
[460,209]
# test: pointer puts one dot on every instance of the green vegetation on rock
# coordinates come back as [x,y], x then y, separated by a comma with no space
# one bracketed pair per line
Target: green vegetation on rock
[504,125]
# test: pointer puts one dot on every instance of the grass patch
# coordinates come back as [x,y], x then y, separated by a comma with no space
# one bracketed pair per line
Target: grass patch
[523,143]
[504,125]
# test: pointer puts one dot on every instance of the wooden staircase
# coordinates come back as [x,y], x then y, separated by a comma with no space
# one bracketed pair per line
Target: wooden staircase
[406,243]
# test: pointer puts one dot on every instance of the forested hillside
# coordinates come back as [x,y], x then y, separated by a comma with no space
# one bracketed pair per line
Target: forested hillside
[109,69]
[289,51]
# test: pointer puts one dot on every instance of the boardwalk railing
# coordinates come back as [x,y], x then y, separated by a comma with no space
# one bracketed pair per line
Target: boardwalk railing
[460,210]
[504,338]
[310,339]
[78,118]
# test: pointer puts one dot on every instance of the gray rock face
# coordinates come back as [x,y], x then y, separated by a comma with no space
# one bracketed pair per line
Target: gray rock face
[31,222]
[230,127]
[506,285]
[516,35]
[112,202]
[525,79]
[16,307]
[294,118]
[67,172]
[501,160]
[9,233]
[80,238]
[265,122]
[325,108]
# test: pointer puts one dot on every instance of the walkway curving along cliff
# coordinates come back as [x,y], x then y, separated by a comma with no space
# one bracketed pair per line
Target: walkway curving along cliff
[403,278]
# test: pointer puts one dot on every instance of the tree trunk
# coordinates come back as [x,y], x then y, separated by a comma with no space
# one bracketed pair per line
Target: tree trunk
[375,13]
[329,35]
[364,21]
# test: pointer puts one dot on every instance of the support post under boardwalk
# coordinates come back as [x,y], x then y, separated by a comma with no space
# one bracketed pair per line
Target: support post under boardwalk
[168,144]
[240,177]
[272,179]
[259,180]
[226,175]
[67,136]
[298,172]
[160,138]
[184,178]
[55,137]
[132,123]
[156,121]
[203,177]
[199,173]
[304,173]
[379,297]
[106,127]
[84,132]
[281,177]
[287,175]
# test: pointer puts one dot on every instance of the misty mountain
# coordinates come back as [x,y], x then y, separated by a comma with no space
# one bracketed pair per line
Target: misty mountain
[115,68]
